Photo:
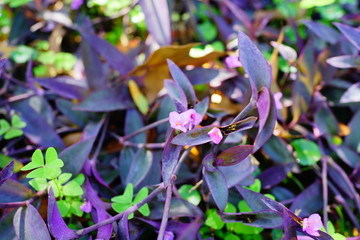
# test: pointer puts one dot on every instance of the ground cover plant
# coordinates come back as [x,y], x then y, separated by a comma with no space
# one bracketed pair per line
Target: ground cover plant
[190,119]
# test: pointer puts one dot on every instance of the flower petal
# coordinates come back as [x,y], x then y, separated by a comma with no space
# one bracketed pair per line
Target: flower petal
[215,135]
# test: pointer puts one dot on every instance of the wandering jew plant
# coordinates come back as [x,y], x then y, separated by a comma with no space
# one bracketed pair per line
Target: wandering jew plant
[126,136]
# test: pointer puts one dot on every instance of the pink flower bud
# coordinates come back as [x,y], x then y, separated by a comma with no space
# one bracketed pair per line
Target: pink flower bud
[215,135]
[312,224]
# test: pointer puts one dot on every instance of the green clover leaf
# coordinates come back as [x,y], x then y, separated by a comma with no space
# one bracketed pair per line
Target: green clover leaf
[72,189]
[4,126]
[52,160]
[37,160]
[38,184]
[13,133]
[143,193]
[16,122]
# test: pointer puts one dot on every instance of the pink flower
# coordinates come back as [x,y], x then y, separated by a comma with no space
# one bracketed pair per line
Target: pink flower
[232,61]
[312,224]
[185,121]
[86,207]
[193,118]
[76,4]
[215,135]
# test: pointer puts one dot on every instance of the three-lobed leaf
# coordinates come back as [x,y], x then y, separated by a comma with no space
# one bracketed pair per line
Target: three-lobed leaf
[4,126]
[37,160]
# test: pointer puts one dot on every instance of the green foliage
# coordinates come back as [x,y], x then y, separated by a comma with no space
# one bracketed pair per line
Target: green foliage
[13,130]
[125,201]
[46,173]
[187,192]
[22,54]
[331,232]
[306,151]
[318,3]
[16,3]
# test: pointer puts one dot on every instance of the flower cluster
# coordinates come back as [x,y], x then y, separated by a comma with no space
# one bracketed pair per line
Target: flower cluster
[185,121]
[312,224]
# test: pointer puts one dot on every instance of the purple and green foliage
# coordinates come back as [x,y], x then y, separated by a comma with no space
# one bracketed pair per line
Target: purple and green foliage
[158,119]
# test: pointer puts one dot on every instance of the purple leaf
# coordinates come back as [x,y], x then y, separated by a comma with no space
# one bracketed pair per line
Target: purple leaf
[56,224]
[325,121]
[352,34]
[202,106]
[289,226]
[75,155]
[118,60]
[241,125]
[183,81]
[193,137]
[218,187]
[139,167]
[272,176]
[123,227]
[134,122]
[323,31]
[254,63]
[66,87]
[106,100]
[352,95]
[233,155]
[12,191]
[288,53]
[157,20]
[37,129]
[95,76]
[350,157]
[353,139]
[238,172]
[7,172]
[262,219]
[65,106]
[170,157]
[206,75]
[267,117]
[178,208]
[177,95]
[104,232]
[277,150]
[308,201]
[346,61]
[29,224]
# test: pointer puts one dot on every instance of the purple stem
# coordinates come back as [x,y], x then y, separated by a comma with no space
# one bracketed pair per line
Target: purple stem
[324,182]
[117,217]
[101,140]
[165,217]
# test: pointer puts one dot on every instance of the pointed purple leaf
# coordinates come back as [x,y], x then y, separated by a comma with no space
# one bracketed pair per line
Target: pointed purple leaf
[183,81]
[206,75]
[35,226]
[140,166]
[323,31]
[64,86]
[272,176]
[262,219]
[123,227]
[233,155]
[106,100]
[170,158]
[308,201]
[104,232]
[218,187]
[37,129]
[345,61]
[193,137]
[12,191]
[7,172]
[267,118]
[202,106]
[241,125]
[116,59]
[350,157]
[157,20]
[352,34]
[177,95]
[56,224]
[254,63]
[277,150]
[353,139]
[352,94]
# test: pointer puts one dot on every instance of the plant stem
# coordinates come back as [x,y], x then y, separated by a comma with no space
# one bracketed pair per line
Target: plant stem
[165,217]
[23,203]
[117,217]
[152,125]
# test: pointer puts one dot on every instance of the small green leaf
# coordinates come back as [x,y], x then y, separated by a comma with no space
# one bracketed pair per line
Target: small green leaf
[145,210]
[37,173]
[72,189]
[120,207]
[37,160]
[129,192]
[256,186]
[23,53]
[13,133]
[213,220]
[207,30]
[317,3]
[4,126]
[52,160]
[230,208]
[121,199]
[38,184]
[52,173]
[80,178]
[143,193]
[55,187]
[64,207]
[193,197]
[16,122]
[231,236]
[307,152]
[63,178]
[75,208]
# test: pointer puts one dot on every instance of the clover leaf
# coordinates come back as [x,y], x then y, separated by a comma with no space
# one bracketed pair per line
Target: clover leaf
[14,130]
[123,202]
